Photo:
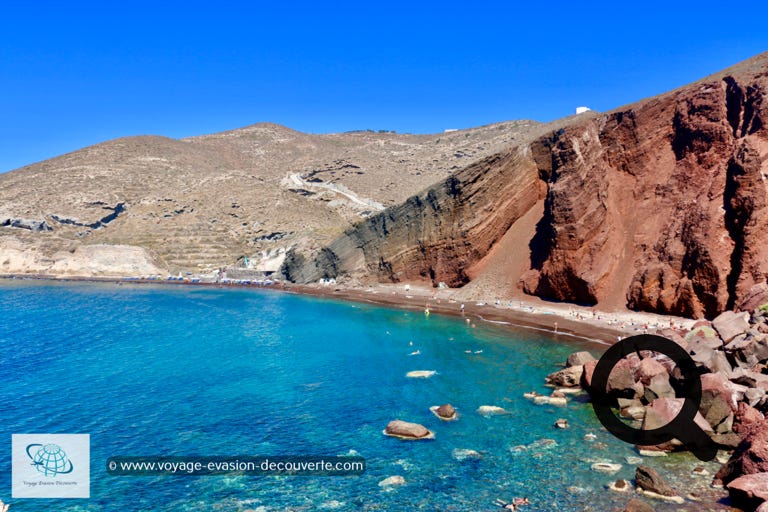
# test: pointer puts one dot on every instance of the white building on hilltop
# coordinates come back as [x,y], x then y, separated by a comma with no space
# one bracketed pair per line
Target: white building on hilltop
[581,110]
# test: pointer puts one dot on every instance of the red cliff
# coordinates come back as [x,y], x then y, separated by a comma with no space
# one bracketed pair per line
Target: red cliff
[657,206]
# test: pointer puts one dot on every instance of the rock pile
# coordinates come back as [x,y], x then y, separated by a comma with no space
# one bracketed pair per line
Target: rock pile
[731,353]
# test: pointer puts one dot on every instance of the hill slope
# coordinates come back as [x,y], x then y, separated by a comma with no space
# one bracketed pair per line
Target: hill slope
[658,206]
[156,205]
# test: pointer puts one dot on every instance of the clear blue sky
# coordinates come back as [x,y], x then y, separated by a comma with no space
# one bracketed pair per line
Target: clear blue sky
[77,73]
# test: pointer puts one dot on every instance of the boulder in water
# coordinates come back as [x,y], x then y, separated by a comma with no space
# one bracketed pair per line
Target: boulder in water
[445,412]
[420,374]
[408,431]
[392,481]
[648,479]
[605,467]
[491,410]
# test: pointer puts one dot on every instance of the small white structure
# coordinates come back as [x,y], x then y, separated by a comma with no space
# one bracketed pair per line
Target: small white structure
[581,110]
[449,130]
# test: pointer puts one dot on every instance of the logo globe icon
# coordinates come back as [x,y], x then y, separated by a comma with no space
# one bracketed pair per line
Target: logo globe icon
[49,459]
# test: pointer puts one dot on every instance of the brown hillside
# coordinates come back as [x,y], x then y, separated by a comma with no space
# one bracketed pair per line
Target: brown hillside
[657,206]
[156,205]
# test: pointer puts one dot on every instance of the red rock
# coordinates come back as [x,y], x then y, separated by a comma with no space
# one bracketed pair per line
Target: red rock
[755,297]
[673,335]
[746,416]
[717,384]
[446,411]
[636,505]
[586,377]
[749,491]
[663,410]
[621,381]
[648,369]
[750,457]
[659,387]
[729,324]
[579,358]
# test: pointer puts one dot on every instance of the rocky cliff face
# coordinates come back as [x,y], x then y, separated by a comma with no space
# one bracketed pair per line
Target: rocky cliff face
[438,234]
[663,202]
[658,206]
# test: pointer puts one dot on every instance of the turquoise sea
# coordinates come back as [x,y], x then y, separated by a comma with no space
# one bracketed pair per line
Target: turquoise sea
[203,371]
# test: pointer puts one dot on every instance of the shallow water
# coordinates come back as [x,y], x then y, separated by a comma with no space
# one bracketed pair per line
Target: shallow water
[200,371]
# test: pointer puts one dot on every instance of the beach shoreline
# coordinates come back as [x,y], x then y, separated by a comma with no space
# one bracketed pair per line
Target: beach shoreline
[529,312]
[554,318]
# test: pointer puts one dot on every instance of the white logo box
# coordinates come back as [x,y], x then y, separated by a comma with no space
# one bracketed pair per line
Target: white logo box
[51,465]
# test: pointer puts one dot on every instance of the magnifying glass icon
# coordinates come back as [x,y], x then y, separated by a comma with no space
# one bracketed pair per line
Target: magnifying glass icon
[682,427]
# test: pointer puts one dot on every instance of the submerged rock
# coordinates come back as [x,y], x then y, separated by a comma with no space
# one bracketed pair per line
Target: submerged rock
[491,410]
[420,374]
[392,481]
[651,452]
[636,505]
[462,454]
[605,467]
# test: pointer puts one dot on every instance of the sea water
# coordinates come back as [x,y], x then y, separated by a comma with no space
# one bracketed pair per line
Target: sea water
[202,371]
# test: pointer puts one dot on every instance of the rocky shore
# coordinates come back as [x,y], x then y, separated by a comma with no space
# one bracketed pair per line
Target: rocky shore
[731,356]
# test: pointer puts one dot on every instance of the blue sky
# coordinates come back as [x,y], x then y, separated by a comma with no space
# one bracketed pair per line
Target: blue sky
[77,73]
